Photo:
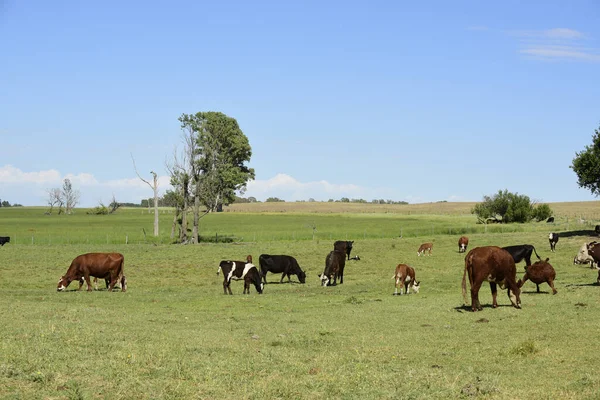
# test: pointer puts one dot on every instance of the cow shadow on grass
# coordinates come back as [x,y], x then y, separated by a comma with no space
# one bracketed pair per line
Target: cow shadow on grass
[582,284]
[581,232]
[467,308]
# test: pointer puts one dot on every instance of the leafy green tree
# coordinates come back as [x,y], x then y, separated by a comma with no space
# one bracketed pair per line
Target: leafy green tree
[274,199]
[216,155]
[506,207]
[586,165]
[542,212]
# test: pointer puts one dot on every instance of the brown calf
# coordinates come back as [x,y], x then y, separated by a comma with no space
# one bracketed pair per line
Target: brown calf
[494,265]
[405,277]
[463,242]
[423,248]
[539,272]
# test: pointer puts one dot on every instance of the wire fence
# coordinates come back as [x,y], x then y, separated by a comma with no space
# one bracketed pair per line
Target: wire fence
[426,230]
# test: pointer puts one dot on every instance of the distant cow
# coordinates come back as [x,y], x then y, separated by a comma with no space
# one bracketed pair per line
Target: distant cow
[583,256]
[424,247]
[522,252]
[405,277]
[100,265]
[553,239]
[4,239]
[494,265]
[280,264]
[345,246]
[238,270]
[539,272]
[463,242]
[334,268]
[550,220]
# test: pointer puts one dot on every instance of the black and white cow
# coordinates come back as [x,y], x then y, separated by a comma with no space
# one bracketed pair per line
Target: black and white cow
[4,239]
[553,239]
[522,252]
[280,264]
[238,270]
[345,246]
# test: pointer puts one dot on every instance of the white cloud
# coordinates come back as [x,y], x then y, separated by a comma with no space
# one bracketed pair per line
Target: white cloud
[558,44]
[288,188]
[30,188]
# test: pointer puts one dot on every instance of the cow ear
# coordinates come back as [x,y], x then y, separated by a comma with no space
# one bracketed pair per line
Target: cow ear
[547,259]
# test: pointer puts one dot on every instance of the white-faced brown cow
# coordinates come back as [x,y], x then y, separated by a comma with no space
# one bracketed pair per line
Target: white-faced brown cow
[553,239]
[495,265]
[405,278]
[539,272]
[239,270]
[334,268]
[424,247]
[463,242]
[100,265]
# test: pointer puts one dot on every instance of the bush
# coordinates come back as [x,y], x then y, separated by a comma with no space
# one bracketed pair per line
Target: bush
[506,207]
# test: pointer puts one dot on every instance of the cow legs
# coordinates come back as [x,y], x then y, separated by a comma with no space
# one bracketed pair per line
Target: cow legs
[246,287]
[494,288]
[551,284]
[475,305]
[537,287]
[226,287]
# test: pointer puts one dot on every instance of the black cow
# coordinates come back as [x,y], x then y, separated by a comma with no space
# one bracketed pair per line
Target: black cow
[240,270]
[334,268]
[553,239]
[280,264]
[597,229]
[4,239]
[550,220]
[522,252]
[345,246]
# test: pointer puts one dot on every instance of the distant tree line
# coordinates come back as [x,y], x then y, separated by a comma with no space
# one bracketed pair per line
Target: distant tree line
[4,203]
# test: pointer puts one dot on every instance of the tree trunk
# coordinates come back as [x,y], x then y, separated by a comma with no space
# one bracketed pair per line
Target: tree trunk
[196,217]
[174,223]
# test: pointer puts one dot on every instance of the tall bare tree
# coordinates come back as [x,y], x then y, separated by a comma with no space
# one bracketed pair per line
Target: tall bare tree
[70,196]
[154,187]
[54,199]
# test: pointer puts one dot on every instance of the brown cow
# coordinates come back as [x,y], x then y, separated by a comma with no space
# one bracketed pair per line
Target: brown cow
[539,272]
[495,265]
[99,265]
[334,267]
[405,277]
[463,242]
[423,248]
[594,251]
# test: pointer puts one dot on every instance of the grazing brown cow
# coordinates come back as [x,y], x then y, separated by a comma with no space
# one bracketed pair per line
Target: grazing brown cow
[463,242]
[423,248]
[495,265]
[405,277]
[99,265]
[334,267]
[539,272]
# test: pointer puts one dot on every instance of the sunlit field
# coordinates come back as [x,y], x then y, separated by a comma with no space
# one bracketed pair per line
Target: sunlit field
[175,335]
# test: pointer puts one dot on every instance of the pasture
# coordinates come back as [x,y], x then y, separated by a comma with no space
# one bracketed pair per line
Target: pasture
[174,334]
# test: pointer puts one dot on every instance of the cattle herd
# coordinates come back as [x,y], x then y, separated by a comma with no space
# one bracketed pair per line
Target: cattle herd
[496,265]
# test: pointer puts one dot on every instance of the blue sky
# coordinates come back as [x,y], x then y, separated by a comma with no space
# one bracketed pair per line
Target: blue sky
[415,101]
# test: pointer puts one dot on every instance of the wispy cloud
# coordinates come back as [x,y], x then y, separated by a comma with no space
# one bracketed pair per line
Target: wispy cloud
[557,44]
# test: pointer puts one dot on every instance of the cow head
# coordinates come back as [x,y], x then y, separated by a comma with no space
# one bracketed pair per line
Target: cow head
[302,276]
[63,282]
[416,286]
[324,280]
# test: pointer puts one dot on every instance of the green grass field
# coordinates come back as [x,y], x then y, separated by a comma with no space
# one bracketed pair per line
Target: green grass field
[174,335]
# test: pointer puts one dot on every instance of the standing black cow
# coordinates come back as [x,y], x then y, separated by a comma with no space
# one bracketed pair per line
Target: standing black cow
[553,239]
[345,246]
[522,252]
[280,264]
[4,239]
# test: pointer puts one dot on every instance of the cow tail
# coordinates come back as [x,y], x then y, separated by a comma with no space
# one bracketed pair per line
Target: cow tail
[464,279]
[219,270]
[536,254]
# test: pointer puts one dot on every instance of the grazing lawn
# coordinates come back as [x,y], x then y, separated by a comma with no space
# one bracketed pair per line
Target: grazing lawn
[174,334]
